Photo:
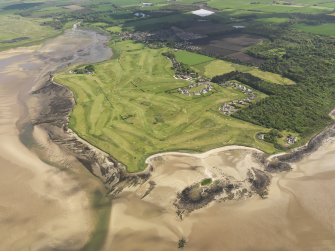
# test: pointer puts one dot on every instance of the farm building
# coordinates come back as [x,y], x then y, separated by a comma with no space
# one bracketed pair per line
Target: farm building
[202,12]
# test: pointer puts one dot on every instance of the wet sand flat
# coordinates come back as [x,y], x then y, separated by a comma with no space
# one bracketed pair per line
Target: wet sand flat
[45,208]
[41,206]
[298,213]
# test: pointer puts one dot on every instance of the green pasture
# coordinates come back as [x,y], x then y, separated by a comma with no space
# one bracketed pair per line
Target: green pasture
[274,20]
[267,6]
[211,67]
[191,58]
[327,29]
[16,31]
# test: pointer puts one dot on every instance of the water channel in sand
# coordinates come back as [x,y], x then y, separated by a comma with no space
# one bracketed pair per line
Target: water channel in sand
[41,207]
[44,208]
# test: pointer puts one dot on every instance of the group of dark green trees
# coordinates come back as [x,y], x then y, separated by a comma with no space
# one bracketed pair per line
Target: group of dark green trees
[307,59]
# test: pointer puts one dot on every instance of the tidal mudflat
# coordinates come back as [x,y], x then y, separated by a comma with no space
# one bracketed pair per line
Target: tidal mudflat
[47,195]
[298,213]
[41,207]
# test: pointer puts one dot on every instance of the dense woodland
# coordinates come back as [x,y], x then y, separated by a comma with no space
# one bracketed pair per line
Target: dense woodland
[310,61]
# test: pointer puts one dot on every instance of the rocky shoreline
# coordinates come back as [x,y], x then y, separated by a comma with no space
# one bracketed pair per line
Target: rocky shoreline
[282,162]
[56,103]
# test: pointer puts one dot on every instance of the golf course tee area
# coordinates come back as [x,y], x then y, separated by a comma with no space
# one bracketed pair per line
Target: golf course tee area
[131,108]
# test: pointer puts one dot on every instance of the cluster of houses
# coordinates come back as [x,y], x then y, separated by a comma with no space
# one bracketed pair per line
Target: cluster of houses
[147,4]
[161,38]
[291,140]
[185,35]
[187,91]
[136,36]
[228,108]
[140,14]
[233,106]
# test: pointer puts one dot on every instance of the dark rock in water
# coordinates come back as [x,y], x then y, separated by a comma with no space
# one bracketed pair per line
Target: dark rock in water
[277,166]
[196,196]
[260,181]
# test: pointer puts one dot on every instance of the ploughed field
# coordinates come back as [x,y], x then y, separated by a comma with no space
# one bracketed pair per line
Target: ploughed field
[130,109]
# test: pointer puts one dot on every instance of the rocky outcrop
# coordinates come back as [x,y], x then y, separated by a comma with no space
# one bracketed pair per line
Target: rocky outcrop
[225,188]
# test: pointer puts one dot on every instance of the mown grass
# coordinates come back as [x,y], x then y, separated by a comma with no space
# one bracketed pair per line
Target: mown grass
[130,109]
[211,67]
[114,29]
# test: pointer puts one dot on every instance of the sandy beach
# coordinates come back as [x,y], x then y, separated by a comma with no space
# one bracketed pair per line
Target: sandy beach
[298,213]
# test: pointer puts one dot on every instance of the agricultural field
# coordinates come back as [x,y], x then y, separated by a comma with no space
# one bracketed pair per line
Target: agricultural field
[127,108]
[268,6]
[211,67]
[327,29]
[274,20]
[16,31]
[191,58]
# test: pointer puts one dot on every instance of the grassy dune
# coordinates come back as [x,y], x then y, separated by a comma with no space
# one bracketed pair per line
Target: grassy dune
[130,109]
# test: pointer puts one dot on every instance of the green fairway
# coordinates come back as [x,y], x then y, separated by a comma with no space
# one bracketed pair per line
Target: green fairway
[114,29]
[130,109]
[211,67]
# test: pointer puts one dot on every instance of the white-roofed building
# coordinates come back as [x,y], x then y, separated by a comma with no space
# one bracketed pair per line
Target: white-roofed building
[202,12]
